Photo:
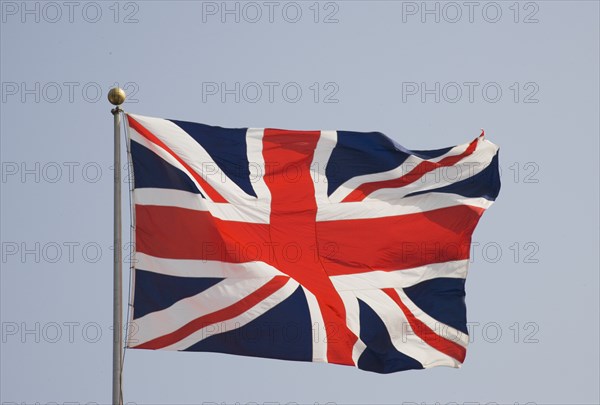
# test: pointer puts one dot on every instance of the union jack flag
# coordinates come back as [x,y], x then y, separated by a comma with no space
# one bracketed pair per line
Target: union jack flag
[324,246]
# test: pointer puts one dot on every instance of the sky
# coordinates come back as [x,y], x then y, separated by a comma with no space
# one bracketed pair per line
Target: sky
[427,74]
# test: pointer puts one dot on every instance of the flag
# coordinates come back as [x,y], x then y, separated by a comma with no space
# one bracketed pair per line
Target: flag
[325,246]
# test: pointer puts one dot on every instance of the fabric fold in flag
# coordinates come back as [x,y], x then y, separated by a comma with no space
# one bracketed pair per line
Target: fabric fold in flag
[324,246]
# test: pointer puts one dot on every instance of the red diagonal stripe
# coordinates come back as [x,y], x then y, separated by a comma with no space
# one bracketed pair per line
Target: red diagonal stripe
[362,191]
[424,332]
[221,315]
[207,188]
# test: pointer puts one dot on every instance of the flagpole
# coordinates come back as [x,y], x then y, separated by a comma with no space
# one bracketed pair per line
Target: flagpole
[116,96]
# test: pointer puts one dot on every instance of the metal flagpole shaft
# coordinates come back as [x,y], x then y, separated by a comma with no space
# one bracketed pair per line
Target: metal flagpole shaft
[116,96]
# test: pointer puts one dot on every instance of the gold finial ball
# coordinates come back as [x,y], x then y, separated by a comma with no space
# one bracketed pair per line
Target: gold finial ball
[116,96]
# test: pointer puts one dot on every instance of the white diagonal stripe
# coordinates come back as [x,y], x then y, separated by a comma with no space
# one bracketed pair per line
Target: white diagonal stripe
[410,163]
[237,322]
[193,154]
[439,328]
[467,167]
[403,337]
[219,296]
[163,154]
